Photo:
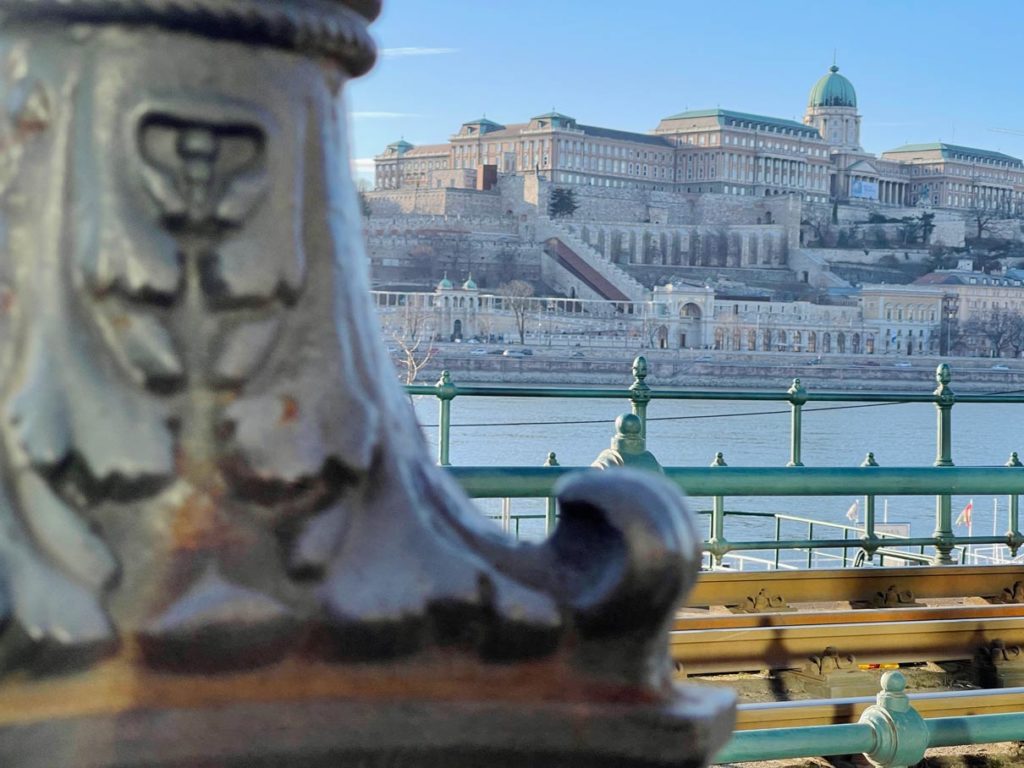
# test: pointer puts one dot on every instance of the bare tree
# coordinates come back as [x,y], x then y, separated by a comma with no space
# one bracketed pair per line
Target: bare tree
[413,338]
[983,218]
[413,357]
[516,296]
[1002,331]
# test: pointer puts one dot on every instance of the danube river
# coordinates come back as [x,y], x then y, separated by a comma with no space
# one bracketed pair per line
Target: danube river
[521,431]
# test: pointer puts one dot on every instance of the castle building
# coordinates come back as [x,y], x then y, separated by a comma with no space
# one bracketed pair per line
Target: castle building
[719,151]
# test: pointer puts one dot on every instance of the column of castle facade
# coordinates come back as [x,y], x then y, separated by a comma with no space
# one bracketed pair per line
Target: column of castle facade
[743,247]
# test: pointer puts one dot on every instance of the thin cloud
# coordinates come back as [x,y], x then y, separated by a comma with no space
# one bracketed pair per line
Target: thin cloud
[382,115]
[391,53]
[362,164]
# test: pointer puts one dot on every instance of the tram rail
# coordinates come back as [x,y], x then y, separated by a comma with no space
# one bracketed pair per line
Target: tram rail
[857,585]
[711,651]
[793,714]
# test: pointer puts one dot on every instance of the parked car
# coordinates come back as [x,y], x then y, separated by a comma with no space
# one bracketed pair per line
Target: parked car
[902,364]
[514,353]
[1000,367]
[478,351]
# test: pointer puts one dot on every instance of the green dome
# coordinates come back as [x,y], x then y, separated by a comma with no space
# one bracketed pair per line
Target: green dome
[469,285]
[833,90]
[445,284]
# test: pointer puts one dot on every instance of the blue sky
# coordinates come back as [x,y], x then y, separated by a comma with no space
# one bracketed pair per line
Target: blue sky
[923,71]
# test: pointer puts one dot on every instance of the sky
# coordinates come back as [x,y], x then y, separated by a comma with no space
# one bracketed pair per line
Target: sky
[923,71]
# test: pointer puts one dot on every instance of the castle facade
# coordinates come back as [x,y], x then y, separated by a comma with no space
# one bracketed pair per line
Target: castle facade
[718,151]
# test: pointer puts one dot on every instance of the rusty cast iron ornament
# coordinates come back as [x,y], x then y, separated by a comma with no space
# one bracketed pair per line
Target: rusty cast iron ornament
[221,542]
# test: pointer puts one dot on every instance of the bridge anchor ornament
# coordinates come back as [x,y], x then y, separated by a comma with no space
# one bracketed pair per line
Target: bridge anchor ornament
[221,540]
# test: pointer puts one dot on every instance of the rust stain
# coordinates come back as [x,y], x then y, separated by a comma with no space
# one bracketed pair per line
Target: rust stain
[121,322]
[7,299]
[289,409]
[121,685]
[195,523]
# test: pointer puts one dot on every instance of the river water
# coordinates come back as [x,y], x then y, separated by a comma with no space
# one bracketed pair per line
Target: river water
[521,431]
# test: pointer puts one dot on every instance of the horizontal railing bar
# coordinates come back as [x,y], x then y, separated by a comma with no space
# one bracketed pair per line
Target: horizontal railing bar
[485,390]
[770,544]
[854,738]
[482,390]
[975,729]
[808,741]
[533,482]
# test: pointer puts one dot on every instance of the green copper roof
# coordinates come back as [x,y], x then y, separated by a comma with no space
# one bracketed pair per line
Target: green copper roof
[761,122]
[401,145]
[470,284]
[957,152]
[445,284]
[552,116]
[832,90]
[483,121]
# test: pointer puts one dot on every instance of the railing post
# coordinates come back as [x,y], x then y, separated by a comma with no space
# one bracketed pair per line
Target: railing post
[810,549]
[870,540]
[717,542]
[797,398]
[1014,539]
[944,399]
[550,512]
[640,393]
[628,447]
[901,734]
[778,537]
[445,394]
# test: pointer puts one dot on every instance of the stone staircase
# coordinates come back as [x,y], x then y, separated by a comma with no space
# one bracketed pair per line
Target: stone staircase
[594,259]
[816,270]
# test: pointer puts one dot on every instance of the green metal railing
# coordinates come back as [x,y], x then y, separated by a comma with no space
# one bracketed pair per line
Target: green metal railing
[942,480]
[890,733]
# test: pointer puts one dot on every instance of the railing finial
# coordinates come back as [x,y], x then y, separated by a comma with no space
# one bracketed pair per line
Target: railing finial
[628,447]
[901,734]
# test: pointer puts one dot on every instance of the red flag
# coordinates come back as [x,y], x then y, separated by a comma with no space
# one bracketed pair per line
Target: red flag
[964,518]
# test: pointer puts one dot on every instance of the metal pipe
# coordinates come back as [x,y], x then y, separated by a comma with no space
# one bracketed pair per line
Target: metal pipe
[809,741]
[976,729]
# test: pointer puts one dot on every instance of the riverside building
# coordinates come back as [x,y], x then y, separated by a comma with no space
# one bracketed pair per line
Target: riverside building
[718,151]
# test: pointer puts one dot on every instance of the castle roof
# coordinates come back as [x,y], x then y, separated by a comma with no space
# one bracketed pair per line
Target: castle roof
[611,133]
[832,90]
[731,118]
[956,152]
